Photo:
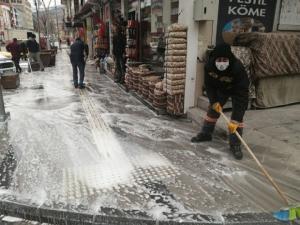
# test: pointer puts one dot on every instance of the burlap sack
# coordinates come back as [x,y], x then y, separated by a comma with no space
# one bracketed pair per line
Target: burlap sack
[176,27]
[159,85]
[175,59]
[177,46]
[176,34]
[176,53]
[175,92]
[171,76]
[175,64]
[159,92]
[178,70]
[176,41]
[175,87]
[175,82]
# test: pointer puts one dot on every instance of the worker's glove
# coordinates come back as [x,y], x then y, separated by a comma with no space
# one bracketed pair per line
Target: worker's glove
[232,127]
[217,107]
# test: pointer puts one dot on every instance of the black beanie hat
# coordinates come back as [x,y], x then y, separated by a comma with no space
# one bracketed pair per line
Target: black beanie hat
[222,50]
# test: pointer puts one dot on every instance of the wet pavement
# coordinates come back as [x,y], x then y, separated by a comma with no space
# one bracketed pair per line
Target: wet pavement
[100,151]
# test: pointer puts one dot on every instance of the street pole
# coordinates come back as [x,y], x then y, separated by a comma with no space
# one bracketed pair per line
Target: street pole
[38,19]
[3,114]
[57,24]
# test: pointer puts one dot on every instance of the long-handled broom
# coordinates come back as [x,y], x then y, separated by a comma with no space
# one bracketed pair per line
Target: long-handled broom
[265,172]
[288,214]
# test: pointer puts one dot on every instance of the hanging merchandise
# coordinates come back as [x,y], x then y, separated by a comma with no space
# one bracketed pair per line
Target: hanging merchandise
[175,68]
[101,29]
[81,32]
[132,40]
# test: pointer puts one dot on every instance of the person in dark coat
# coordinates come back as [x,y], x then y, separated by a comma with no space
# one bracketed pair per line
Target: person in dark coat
[34,51]
[15,50]
[78,62]
[23,50]
[225,77]
[119,44]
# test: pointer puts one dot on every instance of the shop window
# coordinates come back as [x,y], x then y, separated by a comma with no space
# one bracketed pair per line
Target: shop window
[155,18]
[174,11]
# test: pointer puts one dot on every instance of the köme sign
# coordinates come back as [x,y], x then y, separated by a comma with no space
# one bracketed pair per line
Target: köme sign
[239,16]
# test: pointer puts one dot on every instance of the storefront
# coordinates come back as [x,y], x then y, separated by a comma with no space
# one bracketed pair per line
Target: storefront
[208,24]
[148,22]
[217,21]
[153,18]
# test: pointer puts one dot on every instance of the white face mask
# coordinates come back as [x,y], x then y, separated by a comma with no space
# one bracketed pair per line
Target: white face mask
[222,66]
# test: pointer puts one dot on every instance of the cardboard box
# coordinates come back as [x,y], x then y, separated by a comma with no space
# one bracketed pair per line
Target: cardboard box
[35,66]
[10,80]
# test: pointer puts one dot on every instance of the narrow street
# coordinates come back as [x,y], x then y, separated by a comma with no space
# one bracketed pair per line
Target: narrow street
[100,151]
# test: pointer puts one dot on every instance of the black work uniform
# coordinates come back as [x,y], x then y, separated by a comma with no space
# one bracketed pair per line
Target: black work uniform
[220,85]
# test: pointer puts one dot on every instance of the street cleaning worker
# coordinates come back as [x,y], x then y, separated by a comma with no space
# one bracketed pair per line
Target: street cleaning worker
[225,77]
[34,51]
[78,62]
[15,50]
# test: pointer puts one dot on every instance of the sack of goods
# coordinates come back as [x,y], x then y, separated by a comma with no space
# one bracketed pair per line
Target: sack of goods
[136,77]
[175,104]
[160,97]
[146,85]
[175,68]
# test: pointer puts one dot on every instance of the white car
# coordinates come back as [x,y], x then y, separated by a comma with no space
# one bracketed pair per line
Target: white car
[6,64]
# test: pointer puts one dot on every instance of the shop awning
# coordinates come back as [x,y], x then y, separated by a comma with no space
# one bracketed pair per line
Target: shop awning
[86,10]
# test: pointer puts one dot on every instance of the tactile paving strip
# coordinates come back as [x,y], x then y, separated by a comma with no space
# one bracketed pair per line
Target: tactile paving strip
[84,181]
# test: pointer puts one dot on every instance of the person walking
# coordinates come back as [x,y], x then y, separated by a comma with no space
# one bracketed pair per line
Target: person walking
[15,50]
[225,77]
[68,41]
[59,44]
[34,51]
[78,62]
[119,43]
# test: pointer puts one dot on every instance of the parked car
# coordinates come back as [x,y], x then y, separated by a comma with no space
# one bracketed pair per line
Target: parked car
[6,64]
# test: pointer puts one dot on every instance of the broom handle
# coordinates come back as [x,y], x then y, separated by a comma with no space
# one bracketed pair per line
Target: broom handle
[265,172]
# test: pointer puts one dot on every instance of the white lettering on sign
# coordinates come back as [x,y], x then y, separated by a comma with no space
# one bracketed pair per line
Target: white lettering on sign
[250,2]
[244,11]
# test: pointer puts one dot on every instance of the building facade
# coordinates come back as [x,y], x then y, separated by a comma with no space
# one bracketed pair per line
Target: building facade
[208,22]
[15,19]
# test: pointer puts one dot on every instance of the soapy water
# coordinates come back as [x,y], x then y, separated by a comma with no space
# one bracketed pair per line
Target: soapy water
[101,148]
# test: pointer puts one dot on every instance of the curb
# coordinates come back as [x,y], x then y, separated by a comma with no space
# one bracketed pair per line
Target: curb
[66,216]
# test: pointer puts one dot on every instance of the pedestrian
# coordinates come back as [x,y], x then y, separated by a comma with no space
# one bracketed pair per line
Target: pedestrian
[225,77]
[78,62]
[23,50]
[15,50]
[119,43]
[161,47]
[68,41]
[34,51]
[86,53]
[60,44]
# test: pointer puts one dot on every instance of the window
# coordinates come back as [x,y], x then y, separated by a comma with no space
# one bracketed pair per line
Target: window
[156,16]
[290,15]
[174,11]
